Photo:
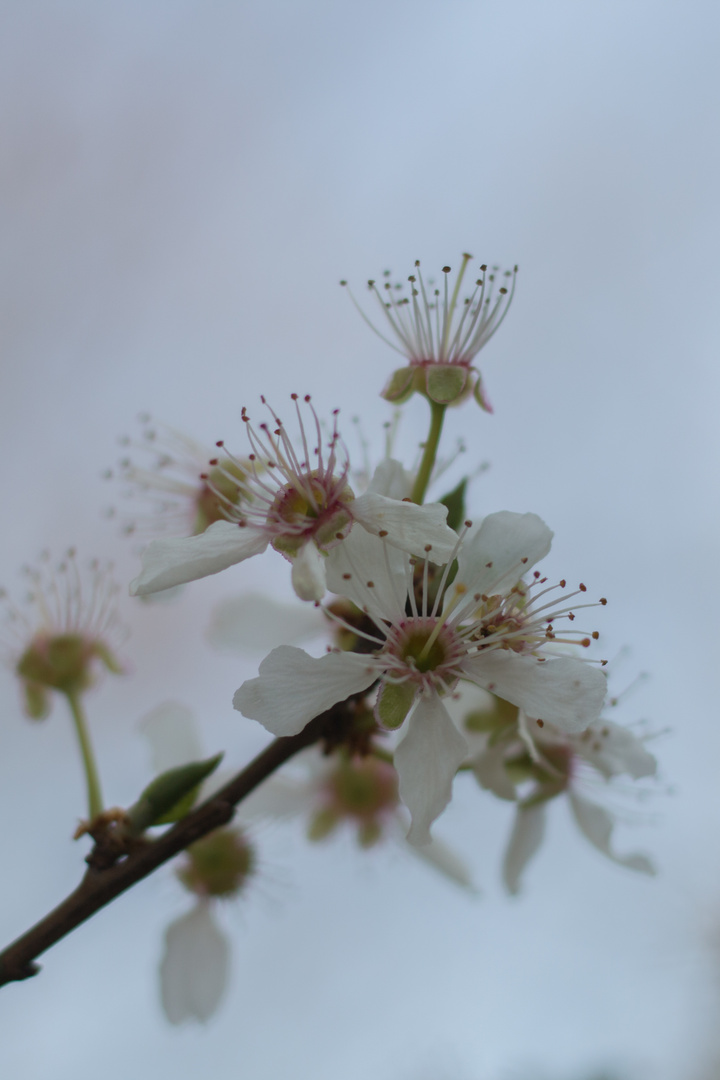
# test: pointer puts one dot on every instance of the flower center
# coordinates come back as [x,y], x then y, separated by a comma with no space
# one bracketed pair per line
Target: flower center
[424,645]
[363,788]
[221,489]
[219,864]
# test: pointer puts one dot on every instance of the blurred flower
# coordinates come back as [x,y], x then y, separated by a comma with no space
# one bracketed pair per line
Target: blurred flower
[195,965]
[360,793]
[440,333]
[181,494]
[67,627]
[486,626]
[532,769]
[302,505]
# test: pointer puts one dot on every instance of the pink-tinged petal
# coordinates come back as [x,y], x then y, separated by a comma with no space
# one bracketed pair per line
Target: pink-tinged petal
[195,966]
[426,760]
[525,839]
[308,573]
[173,562]
[171,732]
[292,687]
[255,622]
[392,480]
[614,751]
[566,692]
[494,556]
[596,825]
[409,527]
[371,574]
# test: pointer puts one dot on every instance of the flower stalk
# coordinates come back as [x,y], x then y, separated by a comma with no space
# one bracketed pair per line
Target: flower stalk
[432,443]
[92,776]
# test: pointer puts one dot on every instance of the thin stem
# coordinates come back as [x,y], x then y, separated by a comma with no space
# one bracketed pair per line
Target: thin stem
[102,883]
[437,415]
[95,802]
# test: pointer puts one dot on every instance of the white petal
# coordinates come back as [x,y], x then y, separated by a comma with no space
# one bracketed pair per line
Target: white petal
[254,622]
[391,479]
[172,733]
[276,799]
[410,528]
[525,839]
[363,558]
[448,862]
[173,562]
[195,966]
[491,557]
[293,687]
[614,751]
[565,692]
[308,573]
[426,761]
[596,824]
[490,772]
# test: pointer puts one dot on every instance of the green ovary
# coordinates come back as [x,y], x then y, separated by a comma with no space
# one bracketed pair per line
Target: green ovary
[415,648]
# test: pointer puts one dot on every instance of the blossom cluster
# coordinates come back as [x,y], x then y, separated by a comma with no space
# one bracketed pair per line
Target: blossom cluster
[421,605]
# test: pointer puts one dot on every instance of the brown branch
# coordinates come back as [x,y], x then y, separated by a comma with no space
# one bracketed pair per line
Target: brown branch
[100,886]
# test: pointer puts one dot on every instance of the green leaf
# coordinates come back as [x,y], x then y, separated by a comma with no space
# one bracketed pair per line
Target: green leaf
[455,502]
[446,382]
[394,703]
[171,795]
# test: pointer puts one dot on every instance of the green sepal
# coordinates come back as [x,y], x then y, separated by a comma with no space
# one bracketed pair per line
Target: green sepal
[543,794]
[369,833]
[394,702]
[455,502]
[399,386]
[446,383]
[104,655]
[322,824]
[500,718]
[480,395]
[37,701]
[171,795]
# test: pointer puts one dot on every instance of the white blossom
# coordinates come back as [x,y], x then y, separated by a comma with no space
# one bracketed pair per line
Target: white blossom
[298,501]
[485,627]
[533,765]
[439,331]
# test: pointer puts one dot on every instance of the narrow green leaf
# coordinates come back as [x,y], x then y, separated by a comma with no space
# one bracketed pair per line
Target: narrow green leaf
[171,795]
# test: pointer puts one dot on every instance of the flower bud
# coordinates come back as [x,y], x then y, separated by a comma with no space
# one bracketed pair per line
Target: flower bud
[218,865]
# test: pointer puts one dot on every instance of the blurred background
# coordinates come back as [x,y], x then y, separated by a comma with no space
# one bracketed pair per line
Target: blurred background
[183,186]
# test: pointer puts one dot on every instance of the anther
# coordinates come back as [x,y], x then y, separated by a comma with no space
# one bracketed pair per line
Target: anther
[540,723]
[220,442]
[595,635]
[583,588]
[562,583]
[346,577]
[382,533]
[603,601]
